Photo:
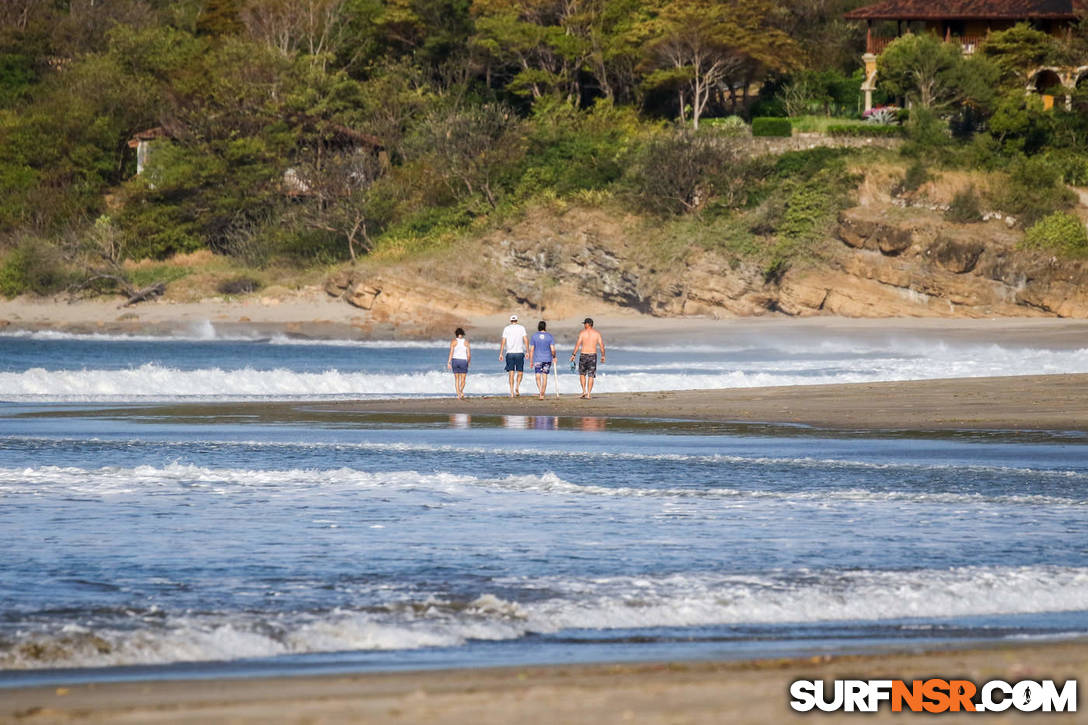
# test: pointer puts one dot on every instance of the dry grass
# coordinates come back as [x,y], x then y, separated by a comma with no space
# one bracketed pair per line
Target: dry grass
[197,276]
[879,182]
[946,184]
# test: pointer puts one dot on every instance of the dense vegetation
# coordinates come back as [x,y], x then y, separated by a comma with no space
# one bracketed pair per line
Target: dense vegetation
[300,132]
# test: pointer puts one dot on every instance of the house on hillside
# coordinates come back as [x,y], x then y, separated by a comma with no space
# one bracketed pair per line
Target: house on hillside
[142,143]
[967,23]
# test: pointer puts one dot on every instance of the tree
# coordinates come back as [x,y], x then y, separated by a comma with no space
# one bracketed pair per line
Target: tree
[1020,51]
[672,172]
[475,144]
[934,75]
[220,17]
[313,27]
[338,189]
[539,46]
[828,41]
[700,47]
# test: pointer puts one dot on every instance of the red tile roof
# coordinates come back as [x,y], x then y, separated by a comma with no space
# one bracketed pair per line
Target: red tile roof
[968,9]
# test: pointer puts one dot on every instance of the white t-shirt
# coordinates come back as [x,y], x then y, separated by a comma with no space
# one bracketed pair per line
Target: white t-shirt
[514,334]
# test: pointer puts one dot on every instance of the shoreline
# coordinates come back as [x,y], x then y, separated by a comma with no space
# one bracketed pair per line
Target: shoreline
[745,691]
[312,314]
[1013,403]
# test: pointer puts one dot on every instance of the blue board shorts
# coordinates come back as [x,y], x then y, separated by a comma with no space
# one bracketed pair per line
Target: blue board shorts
[543,368]
[459,366]
[515,362]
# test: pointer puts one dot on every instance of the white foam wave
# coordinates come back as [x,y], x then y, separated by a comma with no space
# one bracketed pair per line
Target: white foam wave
[439,346]
[553,453]
[609,603]
[152,381]
[112,480]
[206,332]
[201,330]
[686,600]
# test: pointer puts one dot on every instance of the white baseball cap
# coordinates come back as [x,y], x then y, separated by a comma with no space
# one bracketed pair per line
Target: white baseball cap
[513,318]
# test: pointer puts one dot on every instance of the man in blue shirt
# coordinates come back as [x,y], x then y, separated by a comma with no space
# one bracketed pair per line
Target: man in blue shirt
[542,356]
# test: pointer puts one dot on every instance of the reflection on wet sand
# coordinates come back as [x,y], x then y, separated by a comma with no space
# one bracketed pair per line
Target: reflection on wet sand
[545,422]
[460,420]
[541,422]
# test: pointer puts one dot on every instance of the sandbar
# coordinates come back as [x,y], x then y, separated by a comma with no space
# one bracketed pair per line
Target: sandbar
[1013,403]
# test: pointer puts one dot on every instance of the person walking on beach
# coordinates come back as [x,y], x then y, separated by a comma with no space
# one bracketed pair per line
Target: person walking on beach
[457,362]
[514,341]
[588,342]
[542,356]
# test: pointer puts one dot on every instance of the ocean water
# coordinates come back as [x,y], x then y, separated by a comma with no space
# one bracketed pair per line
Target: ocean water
[160,517]
[203,363]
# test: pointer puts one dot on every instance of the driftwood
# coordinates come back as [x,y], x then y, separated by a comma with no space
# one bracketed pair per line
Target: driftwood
[132,294]
[121,283]
[145,294]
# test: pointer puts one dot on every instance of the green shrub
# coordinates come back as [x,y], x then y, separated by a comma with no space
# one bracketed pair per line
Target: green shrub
[740,185]
[569,151]
[768,107]
[672,172]
[775,270]
[1072,167]
[928,134]
[729,126]
[770,126]
[240,285]
[806,164]
[33,267]
[966,207]
[16,78]
[1059,232]
[871,130]
[802,206]
[306,246]
[916,175]
[1034,190]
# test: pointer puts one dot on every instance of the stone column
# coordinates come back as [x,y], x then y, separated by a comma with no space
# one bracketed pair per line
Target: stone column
[869,85]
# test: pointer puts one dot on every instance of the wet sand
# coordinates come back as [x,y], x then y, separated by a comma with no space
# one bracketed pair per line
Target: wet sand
[692,692]
[1027,403]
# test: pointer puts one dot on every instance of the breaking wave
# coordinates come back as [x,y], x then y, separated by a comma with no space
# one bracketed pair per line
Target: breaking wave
[153,381]
[115,480]
[128,637]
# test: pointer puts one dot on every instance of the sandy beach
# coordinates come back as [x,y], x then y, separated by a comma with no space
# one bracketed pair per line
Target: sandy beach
[1020,403]
[311,313]
[693,692]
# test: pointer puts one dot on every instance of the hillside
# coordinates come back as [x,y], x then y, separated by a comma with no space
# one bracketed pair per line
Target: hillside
[878,258]
[462,157]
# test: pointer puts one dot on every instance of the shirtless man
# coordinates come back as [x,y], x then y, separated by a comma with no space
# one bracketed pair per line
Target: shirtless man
[588,342]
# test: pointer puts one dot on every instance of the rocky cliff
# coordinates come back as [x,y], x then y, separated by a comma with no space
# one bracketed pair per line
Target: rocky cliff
[879,260]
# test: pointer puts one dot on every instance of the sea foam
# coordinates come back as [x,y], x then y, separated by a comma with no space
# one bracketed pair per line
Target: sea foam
[117,480]
[601,604]
[152,381]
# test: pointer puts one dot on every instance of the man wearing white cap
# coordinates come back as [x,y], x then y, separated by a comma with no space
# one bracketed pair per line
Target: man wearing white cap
[515,340]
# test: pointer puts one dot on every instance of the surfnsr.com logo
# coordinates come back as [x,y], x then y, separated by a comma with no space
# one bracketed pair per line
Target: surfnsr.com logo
[933,695]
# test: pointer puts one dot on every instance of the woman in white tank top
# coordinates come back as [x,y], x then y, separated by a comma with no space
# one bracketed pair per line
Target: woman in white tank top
[458,360]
